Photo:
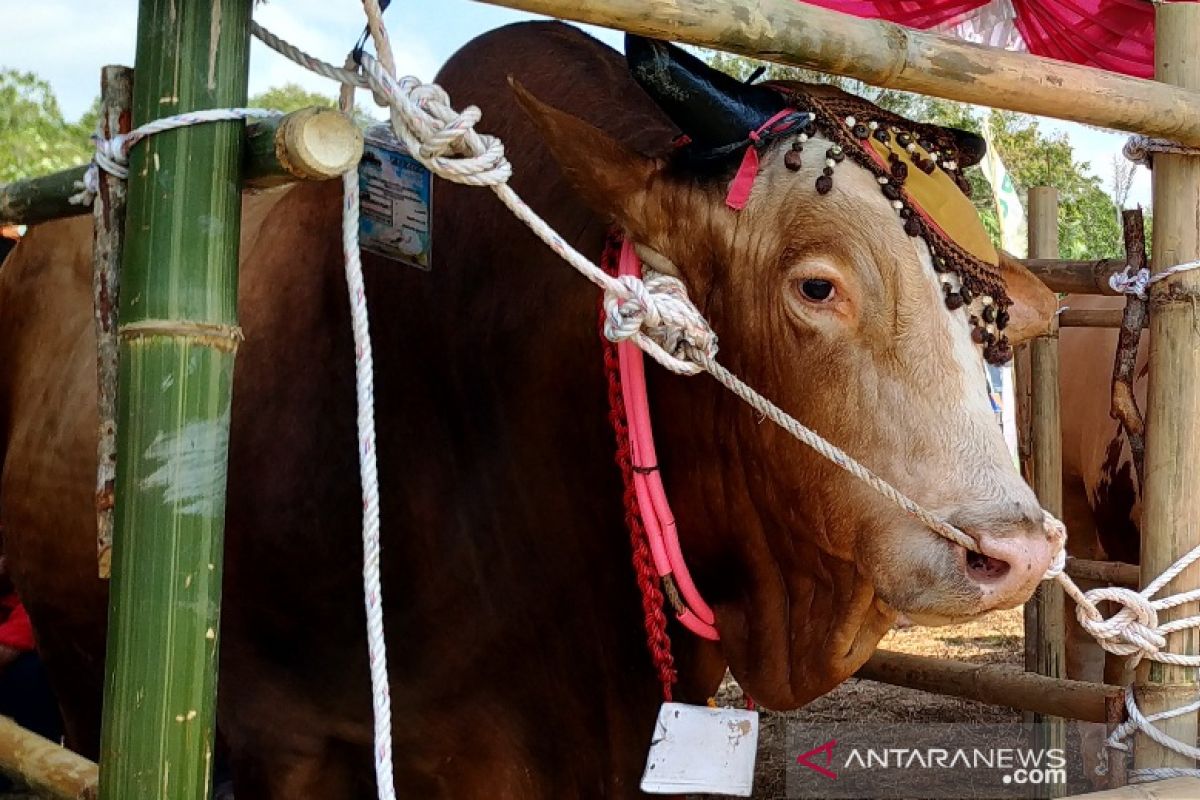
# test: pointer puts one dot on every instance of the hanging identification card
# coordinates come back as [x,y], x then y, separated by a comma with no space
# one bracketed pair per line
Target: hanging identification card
[394,205]
[696,749]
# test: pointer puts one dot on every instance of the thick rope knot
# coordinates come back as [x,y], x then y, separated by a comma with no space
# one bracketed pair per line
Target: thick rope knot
[656,309]
[1141,149]
[1132,631]
[1128,282]
[437,135]
[1139,283]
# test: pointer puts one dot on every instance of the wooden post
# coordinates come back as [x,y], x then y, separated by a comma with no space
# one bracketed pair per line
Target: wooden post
[894,57]
[1171,498]
[49,769]
[1076,277]
[998,684]
[108,234]
[1045,625]
[1170,789]
[178,338]
[1091,318]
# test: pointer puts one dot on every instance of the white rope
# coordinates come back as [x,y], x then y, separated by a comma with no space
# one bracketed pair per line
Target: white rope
[1141,149]
[364,392]
[112,155]
[1138,283]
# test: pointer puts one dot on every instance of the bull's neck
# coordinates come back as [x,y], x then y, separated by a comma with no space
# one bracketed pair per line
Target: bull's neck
[796,617]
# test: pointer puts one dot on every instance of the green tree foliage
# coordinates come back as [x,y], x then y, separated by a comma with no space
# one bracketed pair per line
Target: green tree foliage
[35,139]
[293,97]
[1088,219]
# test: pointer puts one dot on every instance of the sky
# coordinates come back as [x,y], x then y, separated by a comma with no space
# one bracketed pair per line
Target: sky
[67,41]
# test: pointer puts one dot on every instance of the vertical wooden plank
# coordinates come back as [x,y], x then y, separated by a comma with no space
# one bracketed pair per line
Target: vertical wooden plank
[1045,628]
[178,338]
[1171,499]
[108,214]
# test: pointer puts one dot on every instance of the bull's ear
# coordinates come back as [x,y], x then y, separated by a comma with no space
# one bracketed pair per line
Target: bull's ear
[613,180]
[1033,305]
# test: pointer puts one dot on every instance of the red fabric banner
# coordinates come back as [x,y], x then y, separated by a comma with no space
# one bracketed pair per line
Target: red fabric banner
[1115,35]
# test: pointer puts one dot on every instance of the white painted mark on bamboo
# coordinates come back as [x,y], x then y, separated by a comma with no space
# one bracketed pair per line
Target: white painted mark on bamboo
[214,39]
[168,382]
[210,634]
[191,466]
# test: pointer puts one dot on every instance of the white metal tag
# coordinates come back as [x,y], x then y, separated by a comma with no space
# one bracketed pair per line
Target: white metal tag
[702,750]
[396,192]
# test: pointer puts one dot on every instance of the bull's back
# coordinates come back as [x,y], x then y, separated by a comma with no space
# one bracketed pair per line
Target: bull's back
[1101,493]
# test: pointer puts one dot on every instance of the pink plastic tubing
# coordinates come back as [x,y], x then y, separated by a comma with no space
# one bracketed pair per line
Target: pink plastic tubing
[652,496]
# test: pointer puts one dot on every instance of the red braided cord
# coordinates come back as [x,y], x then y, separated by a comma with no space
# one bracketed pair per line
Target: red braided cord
[643,564]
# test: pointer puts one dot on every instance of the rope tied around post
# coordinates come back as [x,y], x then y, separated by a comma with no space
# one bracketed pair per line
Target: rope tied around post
[112,154]
[1138,283]
[1141,149]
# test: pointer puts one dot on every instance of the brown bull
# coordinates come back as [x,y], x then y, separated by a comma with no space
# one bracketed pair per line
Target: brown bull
[519,664]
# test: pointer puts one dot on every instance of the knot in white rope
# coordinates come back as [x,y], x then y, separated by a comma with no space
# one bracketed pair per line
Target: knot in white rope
[1139,283]
[1128,282]
[1132,631]
[1141,149]
[441,138]
[657,307]
[112,155]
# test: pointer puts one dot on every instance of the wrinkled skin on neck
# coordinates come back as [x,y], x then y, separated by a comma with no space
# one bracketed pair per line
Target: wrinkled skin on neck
[806,567]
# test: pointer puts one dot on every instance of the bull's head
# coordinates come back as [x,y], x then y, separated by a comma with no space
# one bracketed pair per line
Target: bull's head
[825,303]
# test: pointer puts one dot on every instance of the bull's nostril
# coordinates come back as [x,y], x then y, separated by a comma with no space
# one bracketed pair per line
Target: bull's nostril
[986,569]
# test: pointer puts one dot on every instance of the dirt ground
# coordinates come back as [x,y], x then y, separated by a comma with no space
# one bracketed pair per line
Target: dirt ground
[995,639]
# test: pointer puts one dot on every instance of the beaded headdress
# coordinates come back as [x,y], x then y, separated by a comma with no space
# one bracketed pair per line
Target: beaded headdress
[918,170]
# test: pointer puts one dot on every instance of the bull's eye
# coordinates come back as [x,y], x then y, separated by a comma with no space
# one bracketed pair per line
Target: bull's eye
[816,290]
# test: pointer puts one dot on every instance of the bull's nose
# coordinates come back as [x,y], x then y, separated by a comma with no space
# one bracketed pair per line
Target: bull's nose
[1011,561]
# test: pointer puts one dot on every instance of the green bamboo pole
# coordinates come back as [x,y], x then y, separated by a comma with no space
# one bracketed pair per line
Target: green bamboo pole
[178,338]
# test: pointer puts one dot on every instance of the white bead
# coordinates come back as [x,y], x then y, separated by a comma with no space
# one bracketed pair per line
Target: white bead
[803,137]
[991,328]
[986,300]
[882,180]
[873,125]
[850,122]
[949,165]
[897,204]
[829,162]
[911,147]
